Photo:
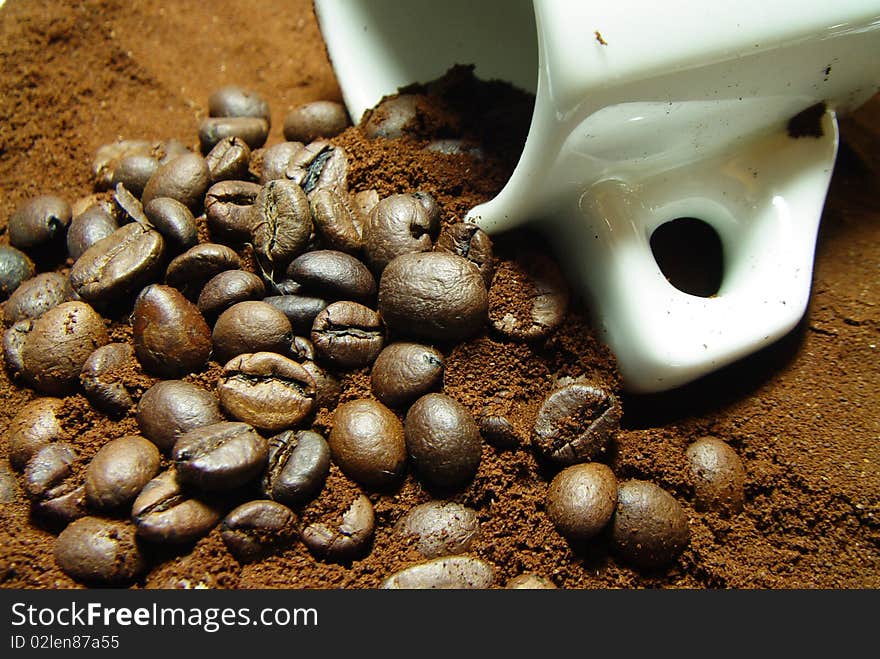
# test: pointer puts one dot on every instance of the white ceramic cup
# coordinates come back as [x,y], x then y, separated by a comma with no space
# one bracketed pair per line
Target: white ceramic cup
[644,113]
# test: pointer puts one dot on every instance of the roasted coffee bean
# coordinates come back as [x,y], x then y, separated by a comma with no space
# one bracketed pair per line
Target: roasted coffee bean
[134,172]
[405,371]
[15,268]
[348,334]
[454,147]
[229,209]
[440,528]
[128,207]
[581,500]
[576,423]
[174,221]
[13,344]
[248,327]
[252,131]
[228,288]
[301,349]
[397,225]
[650,528]
[190,271]
[282,225]
[391,117]
[36,296]
[299,462]
[99,551]
[118,265]
[39,222]
[499,431]
[51,485]
[257,528]
[450,572]
[434,296]
[327,386]
[170,336]
[36,425]
[316,119]
[334,219]
[233,101]
[101,382]
[346,541]
[274,161]
[364,203]
[108,157]
[266,390]
[164,513]
[333,275]
[443,441]
[171,408]
[87,228]
[221,456]
[367,443]
[82,204]
[184,178]
[9,491]
[119,471]
[530,581]
[59,344]
[719,476]
[319,166]
[229,160]
[301,310]
[286,287]
[472,243]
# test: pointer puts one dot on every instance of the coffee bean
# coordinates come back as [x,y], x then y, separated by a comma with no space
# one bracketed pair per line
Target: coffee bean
[440,528]
[472,243]
[719,476]
[327,386]
[364,203]
[233,101]
[219,457]
[499,431]
[443,441]
[256,528]
[299,462]
[36,425]
[432,208]
[119,471]
[36,296]
[405,371]
[39,222]
[319,166]
[229,208]
[367,443]
[171,408]
[108,157]
[87,228]
[450,572]
[170,336]
[390,119]
[59,344]
[348,334]
[253,131]
[228,288]
[164,513]
[334,219]
[99,551]
[581,500]
[650,528]
[576,423]
[15,268]
[190,271]
[174,221]
[301,310]
[266,390]
[51,484]
[185,178]
[530,581]
[13,344]
[316,119]
[397,225]
[9,491]
[344,542]
[248,327]
[282,225]
[134,172]
[301,349]
[273,162]
[118,265]
[333,275]
[229,160]
[433,296]
[101,381]
[455,147]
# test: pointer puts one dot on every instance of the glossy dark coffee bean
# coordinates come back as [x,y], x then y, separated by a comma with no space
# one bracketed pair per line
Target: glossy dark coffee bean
[228,160]
[253,131]
[87,228]
[316,119]
[335,220]
[185,178]
[36,425]
[348,334]
[397,225]
[101,378]
[257,528]
[170,336]
[367,443]
[174,221]
[59,344]
[472,243]
[36,296]
[434,296]
[134,172]
[301,310]
[405,371]
[443,441]
[229,209]
[171,408]
[576,423]
[51,484]
[530,581]
[248,327]
[234,101]
[282,225]
[581,500]
[190,271]
[219,457]
[389,119]
[15,268]
[273,161]
[333,275]
[119,471]
[164,513]
[719,476]
[450,572]
[118,265]
[228,288]
[100,551]
[327,386]
[39,222]
[266,390]
[9,490]
[343,542]
[13,344]
[650,528]
[499,431]
[440,528]
[299,462]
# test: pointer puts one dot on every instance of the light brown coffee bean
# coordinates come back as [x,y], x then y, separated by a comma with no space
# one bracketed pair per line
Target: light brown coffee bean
[336,222]
[650,528]
[450,572]
[316,119]
[165,514]
[397,225]
[440,528]
[343,542]
[100,551]
[719,476]
[229,160]
[581,500]
[368,444]
[171,408]
[530,581]
[283,224]
[185,178]
[229,210]
[472,243]
[36,296]
[100,378]
[348,334]
[119,471]
[36,425]
[253,131]
[405,371]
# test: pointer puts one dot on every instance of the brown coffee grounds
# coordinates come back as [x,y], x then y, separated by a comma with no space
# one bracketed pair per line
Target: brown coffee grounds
[802,414]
